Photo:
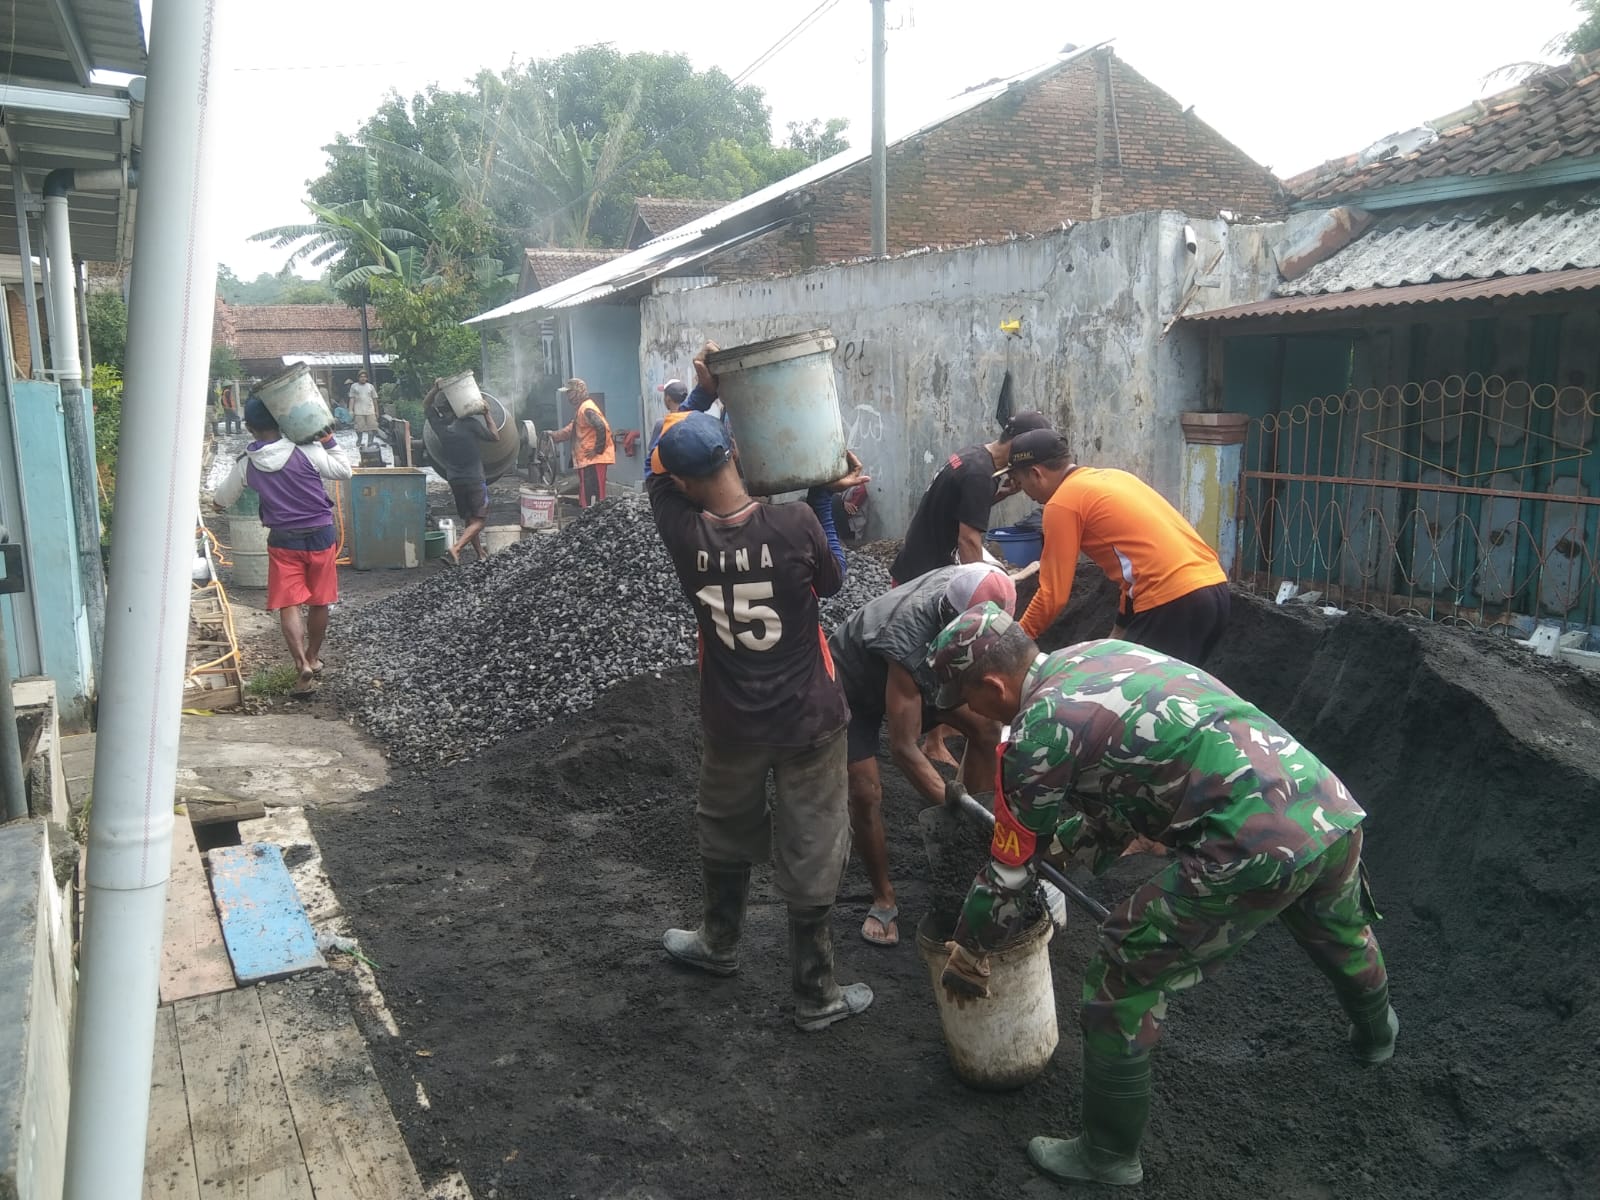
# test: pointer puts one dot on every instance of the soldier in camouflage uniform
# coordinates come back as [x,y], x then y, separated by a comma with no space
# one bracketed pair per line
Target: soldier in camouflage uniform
[1117,748]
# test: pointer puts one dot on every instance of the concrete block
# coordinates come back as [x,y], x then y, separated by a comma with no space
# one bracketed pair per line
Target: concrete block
[35,1017]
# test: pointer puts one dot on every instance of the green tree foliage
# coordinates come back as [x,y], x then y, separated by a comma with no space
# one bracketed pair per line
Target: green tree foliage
[108,329]
[1586,36]
[106,390]
[224,362]
[283,288]
[424,207]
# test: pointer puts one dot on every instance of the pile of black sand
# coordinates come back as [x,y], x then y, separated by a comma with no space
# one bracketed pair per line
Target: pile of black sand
[516,903]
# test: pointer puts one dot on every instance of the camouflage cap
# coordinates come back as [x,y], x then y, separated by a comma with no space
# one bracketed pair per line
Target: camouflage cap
[961,646]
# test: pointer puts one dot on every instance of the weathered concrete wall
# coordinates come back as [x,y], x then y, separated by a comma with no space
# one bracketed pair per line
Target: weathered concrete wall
[921,355]
[35,1016]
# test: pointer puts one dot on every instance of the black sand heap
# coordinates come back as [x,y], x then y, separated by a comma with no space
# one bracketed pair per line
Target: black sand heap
[517,904]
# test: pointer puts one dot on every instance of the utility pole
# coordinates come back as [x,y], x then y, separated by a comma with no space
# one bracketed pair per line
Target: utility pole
[880,144]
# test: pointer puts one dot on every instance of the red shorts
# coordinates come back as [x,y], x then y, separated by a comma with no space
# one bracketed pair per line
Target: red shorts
[301,577]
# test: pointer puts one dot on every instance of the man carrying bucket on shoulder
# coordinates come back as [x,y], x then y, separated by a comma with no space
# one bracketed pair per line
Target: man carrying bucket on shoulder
[1175,596]
[1116,749]
[590,435]
[301,546]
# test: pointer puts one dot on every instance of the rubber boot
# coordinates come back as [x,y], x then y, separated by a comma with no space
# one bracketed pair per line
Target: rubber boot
[1373,1025]
[714,946]
[819,1001]
[1116,1105]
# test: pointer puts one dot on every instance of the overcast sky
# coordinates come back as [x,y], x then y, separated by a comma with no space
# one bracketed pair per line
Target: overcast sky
[1293,83]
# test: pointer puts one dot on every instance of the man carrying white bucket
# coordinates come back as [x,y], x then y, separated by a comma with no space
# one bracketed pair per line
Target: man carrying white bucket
[1116,749]
[301,546]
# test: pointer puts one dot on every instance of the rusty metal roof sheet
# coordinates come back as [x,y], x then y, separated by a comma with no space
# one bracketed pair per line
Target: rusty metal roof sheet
[1454,291]
[1465,239]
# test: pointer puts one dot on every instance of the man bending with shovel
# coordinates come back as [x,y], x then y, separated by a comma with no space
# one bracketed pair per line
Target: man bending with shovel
[1116,748]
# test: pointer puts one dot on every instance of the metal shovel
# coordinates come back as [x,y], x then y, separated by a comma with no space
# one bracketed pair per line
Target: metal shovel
[1045,869]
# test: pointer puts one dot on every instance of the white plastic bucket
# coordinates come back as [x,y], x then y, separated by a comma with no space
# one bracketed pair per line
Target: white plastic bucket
[463,394]
[538,508]
[297,404]
[783,404]
[248,550]
[500,537]
[1007,1040]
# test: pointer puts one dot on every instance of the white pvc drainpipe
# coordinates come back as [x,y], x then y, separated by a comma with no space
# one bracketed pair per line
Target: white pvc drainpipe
[141,691]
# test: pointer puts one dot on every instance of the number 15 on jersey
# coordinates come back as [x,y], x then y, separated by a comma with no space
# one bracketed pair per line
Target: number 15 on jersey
[740,621]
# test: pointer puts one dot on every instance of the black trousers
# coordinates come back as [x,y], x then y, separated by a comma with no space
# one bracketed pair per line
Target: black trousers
[1187,628]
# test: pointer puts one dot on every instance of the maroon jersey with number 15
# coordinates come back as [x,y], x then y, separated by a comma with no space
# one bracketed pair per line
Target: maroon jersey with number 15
[753,578]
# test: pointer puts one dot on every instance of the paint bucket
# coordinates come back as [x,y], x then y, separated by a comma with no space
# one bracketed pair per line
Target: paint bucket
[463,394]
[538,508]
[247,538]
[296,404]
[784,407]
[1018,546]
[1005,1041]
[501,537]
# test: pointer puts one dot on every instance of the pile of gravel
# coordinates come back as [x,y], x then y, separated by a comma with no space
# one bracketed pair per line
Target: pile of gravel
[450,666]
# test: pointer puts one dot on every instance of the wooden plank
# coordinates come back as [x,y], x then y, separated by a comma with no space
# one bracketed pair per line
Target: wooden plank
[211,812]
[194,958]
[169,1172]
[263,921]
[245,1146]
[213,698]
[352,1146]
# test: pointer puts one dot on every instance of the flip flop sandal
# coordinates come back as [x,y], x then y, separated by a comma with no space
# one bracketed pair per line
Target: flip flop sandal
[885,917]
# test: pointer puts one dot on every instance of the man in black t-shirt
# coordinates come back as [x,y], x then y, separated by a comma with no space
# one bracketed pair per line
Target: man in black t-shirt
[460,461]
[770,704]
[953,515]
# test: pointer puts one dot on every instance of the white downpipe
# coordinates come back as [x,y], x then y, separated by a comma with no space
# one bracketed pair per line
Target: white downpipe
[135,768]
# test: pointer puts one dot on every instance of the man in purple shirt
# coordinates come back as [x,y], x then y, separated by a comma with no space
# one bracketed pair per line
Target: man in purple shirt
[301,546]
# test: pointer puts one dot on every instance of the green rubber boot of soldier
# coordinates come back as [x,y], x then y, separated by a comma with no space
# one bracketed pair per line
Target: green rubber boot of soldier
[819,1001]
[714,946]
[1373,1025]
[1116,1106]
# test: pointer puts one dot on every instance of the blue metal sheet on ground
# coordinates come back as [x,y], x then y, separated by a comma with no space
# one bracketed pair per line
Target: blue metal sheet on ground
[263,921]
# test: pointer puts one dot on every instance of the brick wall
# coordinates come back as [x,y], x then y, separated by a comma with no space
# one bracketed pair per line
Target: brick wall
[1093,138]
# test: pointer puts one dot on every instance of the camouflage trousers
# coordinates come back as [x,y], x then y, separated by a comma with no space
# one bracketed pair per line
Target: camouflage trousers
[1169,935]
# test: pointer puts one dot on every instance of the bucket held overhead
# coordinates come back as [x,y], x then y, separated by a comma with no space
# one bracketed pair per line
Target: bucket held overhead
[783,402]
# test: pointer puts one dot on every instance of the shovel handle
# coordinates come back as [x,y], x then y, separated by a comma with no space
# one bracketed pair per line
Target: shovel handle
[1046,870]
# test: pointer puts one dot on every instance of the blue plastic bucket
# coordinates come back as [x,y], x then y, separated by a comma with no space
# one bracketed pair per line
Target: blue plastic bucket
[1018,546]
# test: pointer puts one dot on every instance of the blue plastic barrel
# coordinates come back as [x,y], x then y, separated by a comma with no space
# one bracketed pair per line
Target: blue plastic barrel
[1018,546]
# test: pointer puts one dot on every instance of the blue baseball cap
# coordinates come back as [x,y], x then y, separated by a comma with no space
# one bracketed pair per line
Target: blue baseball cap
[694,447]
[257,415]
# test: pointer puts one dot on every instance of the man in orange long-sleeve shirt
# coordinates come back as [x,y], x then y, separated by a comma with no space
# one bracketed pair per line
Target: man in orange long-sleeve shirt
[1174,592]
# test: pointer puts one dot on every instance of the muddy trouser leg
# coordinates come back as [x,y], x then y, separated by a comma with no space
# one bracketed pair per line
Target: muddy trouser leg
[1332,920]
[735,831]
[812,842]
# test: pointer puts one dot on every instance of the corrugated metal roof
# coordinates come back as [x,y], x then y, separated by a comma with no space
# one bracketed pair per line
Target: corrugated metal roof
[1553,115]
[1465,239]
[1536,284]
[36,47]
[738,222]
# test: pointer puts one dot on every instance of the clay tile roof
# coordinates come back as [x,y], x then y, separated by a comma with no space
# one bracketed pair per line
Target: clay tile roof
[273,330]
[660,215]
[549,266]
[1553,115]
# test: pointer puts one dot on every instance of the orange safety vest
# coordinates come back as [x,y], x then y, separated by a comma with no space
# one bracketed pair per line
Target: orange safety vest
[588,447]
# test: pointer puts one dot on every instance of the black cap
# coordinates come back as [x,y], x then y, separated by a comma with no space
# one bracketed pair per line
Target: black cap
[1023,422]
[1037,446]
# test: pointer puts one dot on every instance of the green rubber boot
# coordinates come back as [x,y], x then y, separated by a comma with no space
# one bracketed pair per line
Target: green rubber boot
[1373,1025]
[1116,1106]
[714,946]
[819,1001]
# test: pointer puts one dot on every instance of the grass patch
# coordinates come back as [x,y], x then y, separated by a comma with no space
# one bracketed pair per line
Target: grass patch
[273,681]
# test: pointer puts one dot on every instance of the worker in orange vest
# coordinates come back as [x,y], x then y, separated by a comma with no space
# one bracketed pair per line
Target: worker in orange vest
[592,450]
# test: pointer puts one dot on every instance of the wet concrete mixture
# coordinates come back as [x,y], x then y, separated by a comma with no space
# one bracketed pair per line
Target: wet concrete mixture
[516,904]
